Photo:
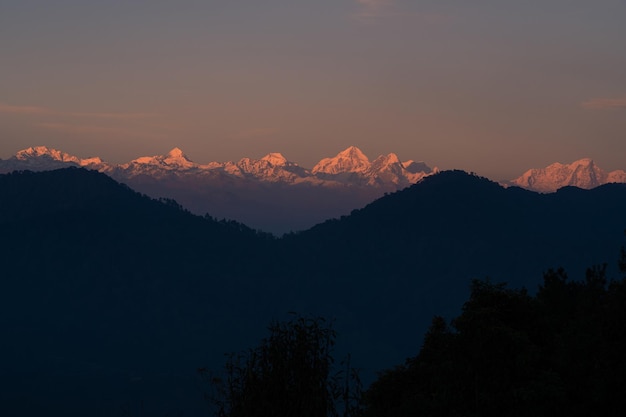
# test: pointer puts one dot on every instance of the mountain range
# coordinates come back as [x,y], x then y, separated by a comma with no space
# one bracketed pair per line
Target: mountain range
[349,167]
[583,173]
[110,297]
[270,193]
[277,195]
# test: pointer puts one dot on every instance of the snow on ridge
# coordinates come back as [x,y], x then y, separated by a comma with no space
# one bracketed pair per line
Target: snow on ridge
[45,152]
[176,153]
[275,158]
[351,159]
[582,173]
[350,166]
[42,158]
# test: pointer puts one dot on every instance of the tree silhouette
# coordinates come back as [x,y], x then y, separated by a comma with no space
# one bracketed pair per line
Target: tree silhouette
[560,351]
[291,373]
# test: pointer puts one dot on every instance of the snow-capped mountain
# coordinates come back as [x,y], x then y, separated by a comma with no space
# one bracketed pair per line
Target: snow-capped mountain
[174,159]
[42,158]
[347,161]
[388,169]
[349,167]
[583,173]
[273,167]
[278,195]
[353,166]
[415,167]
[270,193]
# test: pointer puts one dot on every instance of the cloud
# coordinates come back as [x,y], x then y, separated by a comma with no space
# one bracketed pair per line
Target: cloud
[370,10]
[36,110]
[10,109]
[116,116]
[94,129]
[605,103]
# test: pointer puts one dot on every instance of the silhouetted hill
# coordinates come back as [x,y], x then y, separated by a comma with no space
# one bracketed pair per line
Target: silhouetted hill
[411,254]
[119,297]
[106,292]
[83,222]
[454,218]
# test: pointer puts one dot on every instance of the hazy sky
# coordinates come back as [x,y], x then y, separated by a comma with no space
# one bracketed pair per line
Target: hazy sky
[494,87]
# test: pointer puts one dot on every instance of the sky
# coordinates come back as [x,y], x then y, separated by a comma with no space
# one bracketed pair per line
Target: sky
[492,87]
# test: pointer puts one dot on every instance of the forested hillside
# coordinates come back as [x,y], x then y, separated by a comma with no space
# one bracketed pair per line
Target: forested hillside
[510,353]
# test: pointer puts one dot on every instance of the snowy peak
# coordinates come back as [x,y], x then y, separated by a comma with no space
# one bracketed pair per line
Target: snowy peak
[350,167]
[387,161]
[415,167]
[352,152]
[43,158]
[349,160]
[583,173]
[584,162]
[384,163]
[353,166]
[178,159]
[276,159]
[616,176]
[273,167]
[176,153]
[387,169]
[174,159]
[46,153]
[91,161]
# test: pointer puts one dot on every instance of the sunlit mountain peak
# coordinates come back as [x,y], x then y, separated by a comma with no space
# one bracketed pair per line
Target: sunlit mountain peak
[353,152]
[44,151]
[174,159]
[43,157]
[415,167]
[585,162]
[176,153]
[348,160]
[275,158]
[350,167]
[583,173]
[391,158]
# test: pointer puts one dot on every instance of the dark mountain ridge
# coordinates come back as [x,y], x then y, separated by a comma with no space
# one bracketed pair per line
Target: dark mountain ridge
[457,214]
[105,287]
[121,297]
[412,253]
[90,212]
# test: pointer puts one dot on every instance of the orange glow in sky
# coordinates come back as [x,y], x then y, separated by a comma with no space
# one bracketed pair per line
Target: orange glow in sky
[490,87]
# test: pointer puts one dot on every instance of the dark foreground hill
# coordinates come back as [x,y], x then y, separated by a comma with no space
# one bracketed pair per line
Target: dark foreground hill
[107,293]
[413,253]
[477,226]
[111,299]
[112,227]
